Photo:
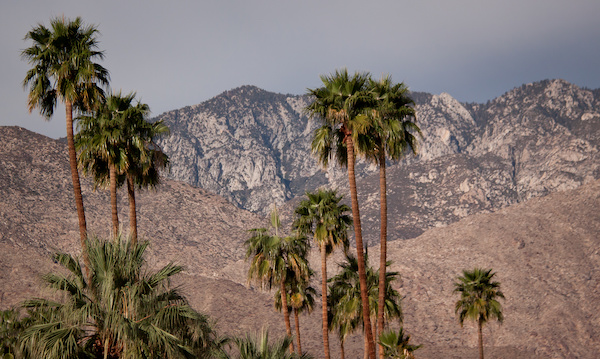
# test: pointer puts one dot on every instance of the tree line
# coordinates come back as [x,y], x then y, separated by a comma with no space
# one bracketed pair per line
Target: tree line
[114,309]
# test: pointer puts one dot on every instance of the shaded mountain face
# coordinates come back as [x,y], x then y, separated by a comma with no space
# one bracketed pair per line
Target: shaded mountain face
[253,147]
[544,251]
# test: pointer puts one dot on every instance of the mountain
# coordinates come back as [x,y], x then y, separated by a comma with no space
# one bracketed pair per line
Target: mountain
[544,250]
[253,147]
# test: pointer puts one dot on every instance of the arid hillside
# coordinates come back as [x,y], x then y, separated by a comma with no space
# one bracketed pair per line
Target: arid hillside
[546,252]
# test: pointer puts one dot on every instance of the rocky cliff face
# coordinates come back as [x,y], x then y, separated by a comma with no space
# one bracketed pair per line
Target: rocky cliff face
[253,147]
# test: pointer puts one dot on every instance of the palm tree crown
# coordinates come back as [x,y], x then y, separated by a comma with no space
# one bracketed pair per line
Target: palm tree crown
[122,313]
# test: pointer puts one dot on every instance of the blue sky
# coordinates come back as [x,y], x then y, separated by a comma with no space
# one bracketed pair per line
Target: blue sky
[180,53]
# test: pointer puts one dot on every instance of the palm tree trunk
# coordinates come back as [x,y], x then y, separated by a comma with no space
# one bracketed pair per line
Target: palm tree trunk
[76,184]
[480,325]
[113,198]
[342,354]
[286,314]
[297,322]
[132,210]
[362,275]
[324,297]
[383,244]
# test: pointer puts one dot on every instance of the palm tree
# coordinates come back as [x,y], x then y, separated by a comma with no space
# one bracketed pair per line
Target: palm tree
[343,314]
[117,144]
[322,216]
[345,288]
[390,134]
[124,312]
[274,259]
[300,298]
[100,142]
[338,103]
[258,347]
[145,164]
[478,299]
[63,69]
[11,327]
[397,344]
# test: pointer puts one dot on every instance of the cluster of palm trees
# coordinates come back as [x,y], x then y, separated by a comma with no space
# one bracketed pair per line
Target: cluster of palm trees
[113,309]
[115,141]
[374,119]
[360,116]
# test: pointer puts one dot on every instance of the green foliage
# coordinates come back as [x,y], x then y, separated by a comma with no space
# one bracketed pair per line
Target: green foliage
[273,257]
[339,102]
[323,217]
[11,326]
[478,296]
[118,134]
[63,68]
[124,312]
[258,347]
[345,302]
[396,345]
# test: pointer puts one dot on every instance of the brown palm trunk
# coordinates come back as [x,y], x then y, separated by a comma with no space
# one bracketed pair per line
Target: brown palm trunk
[286,314]
[383,251]
[324,297]
[76,184]
[480,324]
[362,275]
[113,199]
[342,354]
[132,210]
[297,322]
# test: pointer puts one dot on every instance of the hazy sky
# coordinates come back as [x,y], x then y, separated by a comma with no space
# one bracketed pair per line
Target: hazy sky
[179,53]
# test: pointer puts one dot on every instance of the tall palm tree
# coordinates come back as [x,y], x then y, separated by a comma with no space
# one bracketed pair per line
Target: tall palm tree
[274,259]
[63,69]
[478,301]
[323,217]
[338,103]
[345,288]
[391,134]
[124,312]
[300,298]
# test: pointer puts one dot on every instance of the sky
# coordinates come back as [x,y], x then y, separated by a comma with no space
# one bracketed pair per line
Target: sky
[183,52]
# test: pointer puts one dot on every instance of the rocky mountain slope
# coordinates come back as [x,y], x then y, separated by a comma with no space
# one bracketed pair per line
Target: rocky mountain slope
[253,147]
[545,251]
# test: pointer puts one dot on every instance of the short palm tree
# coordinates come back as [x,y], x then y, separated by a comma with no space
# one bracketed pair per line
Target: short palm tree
[11,326]
[63,69]
[345,288]
[396,345]
[323,217]
[258,347]
[339,103]
[478,301]
[124,312]
[391,134]
[274,259]
[300,298]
